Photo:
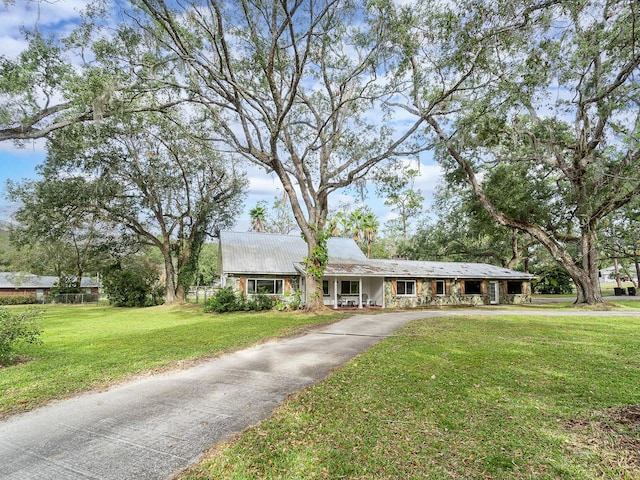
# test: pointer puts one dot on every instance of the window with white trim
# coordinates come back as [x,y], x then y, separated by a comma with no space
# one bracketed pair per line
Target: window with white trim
[325,288]
[440,287]
[349,287]
[406,288]
[265,286]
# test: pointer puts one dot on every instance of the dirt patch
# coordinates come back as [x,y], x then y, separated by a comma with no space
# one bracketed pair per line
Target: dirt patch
[613,435]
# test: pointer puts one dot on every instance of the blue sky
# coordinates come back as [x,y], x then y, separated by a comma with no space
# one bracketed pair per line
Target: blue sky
[20,163]
[16,165]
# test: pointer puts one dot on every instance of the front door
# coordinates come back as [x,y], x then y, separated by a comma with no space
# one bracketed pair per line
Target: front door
[494,295]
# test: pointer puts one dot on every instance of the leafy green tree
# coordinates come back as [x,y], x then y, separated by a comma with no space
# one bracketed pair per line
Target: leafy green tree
[397,186]
[207,265]
[52,216]
[464,232]
[369,228]
[87,75]
[533,109]
[292,87]
[360,224]
[152,178]
[10,258]
[551,279]
[619,238]
[135,285]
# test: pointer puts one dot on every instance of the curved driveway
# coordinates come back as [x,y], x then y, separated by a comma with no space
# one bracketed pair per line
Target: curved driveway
[156,426]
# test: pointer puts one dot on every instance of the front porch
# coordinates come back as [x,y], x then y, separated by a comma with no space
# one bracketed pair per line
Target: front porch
[342,292]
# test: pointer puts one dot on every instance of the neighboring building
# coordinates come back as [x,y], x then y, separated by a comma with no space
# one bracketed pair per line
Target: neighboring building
[27,284]
[609,275]
[259,263]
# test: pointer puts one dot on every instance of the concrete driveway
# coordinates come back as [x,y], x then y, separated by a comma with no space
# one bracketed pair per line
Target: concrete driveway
[154,427]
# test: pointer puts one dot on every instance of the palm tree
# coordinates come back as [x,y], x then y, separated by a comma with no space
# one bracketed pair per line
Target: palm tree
[369,226]
[257,215]
[355,225]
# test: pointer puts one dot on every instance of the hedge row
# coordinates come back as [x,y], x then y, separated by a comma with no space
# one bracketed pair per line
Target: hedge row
[19,300]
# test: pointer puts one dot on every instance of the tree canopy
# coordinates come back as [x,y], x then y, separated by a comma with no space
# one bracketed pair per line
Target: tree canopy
[293,87]
[534,108]
[91,73]
[152,177]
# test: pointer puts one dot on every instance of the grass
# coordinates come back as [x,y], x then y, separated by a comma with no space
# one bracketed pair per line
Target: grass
[504,397]
[93,347]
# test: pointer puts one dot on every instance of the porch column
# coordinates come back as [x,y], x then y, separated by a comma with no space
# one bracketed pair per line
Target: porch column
[335,292]
[360,292]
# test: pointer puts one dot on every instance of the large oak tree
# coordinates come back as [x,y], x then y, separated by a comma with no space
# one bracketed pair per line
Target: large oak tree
[293,86]
[536,109]
[151,176]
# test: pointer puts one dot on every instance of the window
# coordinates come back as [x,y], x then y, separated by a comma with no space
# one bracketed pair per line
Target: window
[472,287]
[514,288]
[349,287]
[265,286]
[406,288]
[325,288]
[440,290]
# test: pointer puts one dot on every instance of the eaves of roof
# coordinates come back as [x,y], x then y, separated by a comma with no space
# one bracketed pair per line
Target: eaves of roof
[417,269]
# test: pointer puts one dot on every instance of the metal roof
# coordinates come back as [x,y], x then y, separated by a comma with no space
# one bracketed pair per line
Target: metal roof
[250,252]
[19,280]
[261,253]
[423,269]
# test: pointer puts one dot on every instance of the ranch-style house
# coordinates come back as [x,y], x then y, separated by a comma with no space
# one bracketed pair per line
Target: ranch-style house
[260,263]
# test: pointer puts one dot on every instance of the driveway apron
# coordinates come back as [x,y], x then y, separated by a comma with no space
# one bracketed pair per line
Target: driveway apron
[156,426]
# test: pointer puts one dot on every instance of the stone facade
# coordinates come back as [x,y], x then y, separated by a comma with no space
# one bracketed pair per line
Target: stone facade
[291,286]
[425,295]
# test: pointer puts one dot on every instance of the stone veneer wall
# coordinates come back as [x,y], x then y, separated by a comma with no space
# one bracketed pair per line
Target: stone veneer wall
[454,298]
[292,285]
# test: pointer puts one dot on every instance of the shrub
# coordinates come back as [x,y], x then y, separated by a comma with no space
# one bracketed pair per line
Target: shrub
[131,287]
[224,300]
[15,328]
[552,280]
[19,299]
[262,302]
[65,284]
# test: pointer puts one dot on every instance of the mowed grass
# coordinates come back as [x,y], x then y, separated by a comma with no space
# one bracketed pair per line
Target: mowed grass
[482,397]
[93,347]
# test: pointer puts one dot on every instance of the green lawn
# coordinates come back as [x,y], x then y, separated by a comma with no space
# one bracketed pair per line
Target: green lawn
[91,347]
[505,397]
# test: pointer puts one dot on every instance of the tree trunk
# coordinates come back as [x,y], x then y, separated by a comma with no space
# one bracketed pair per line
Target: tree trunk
[586,276]
[170,278]
[616,269]
[181,294]
[170,292]
[313,284]
[313,297]
[588,289]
